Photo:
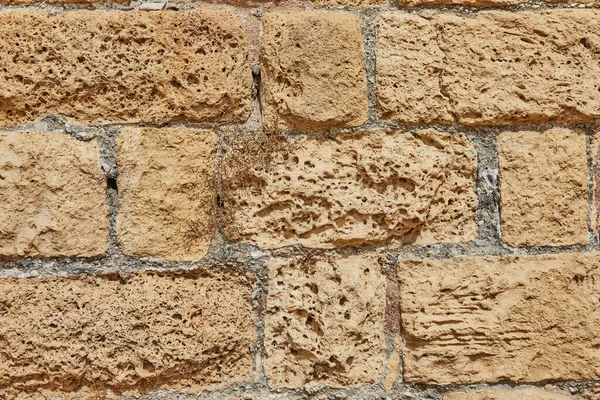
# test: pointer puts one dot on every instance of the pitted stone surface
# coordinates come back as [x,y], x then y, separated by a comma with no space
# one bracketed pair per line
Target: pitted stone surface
[52,196]
[518,318]
[103,336]
[313,71]
[167,192]
[532,393]
[324,321]
[543,183]
[370,187]
[102,67]
[523,67]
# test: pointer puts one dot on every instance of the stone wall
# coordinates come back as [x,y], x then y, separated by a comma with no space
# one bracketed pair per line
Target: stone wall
[296,199]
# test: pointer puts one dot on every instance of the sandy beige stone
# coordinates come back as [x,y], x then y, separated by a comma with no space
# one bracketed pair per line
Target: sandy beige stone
[101,67]
[533,393]
[325,321]
[520,318]
[313,71]
[470,3]
[352,3]
[52,196]
[523,67]
[167,192]
[370,187]
[543,182]
[108,335]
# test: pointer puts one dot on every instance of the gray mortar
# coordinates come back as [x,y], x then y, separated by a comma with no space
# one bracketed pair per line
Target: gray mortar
[224,254]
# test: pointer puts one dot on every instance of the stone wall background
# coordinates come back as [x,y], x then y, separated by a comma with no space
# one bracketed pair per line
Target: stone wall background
[299,200]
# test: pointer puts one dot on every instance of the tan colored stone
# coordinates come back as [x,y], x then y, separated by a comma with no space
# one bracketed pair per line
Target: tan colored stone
[595,208]
[543,182]
[352,3]
[167,192]
[52,196]
[523,67]
[470,3]
[325,321]
[370,187]
[103,336]
[313,71]
[508,394]
[129,67]
[487,319]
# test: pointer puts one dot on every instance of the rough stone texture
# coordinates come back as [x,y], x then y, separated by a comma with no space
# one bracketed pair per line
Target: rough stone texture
[543,182]
[523,67]
[595,208]
[370,187]
[508,394]
[520,319]
[351,3]
[470,3]
[167,192]
[52,196]
[313,71]
[100,67]
[324,321]
[99,337]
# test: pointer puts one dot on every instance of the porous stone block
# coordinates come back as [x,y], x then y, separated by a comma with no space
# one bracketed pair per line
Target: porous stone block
[325,321]
[113,335]
[313,71]
[532,393]
[123,67]
[543,182]
[167,192]
[522,67]
[370,187]
[489,319]
[52,196]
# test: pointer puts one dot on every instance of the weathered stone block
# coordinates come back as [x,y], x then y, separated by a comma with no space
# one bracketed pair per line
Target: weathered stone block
[127,67]
[523,67]
[543,181]
[167,192]
[111,335]
[325,321]
[532,393]
[370,187]
[313,71]
[487,319]
[52,196]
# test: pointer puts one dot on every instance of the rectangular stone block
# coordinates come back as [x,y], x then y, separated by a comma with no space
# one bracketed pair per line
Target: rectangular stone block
[167,192]
[490,319]
[325,321]
[370,187]
[543,182]
[52,196]
[532,393]
[104,336]
[522,67]
[123,67]
[313,71]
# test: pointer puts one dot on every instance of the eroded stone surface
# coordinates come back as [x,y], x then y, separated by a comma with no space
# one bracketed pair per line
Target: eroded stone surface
[520,319]
[52,196]
[371,187]
[325,321]
[543,182]
[352,3]
[508,394]
[313,71]
[99,67]
[471,3]
[523,67]
[109,335]
[166,192]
